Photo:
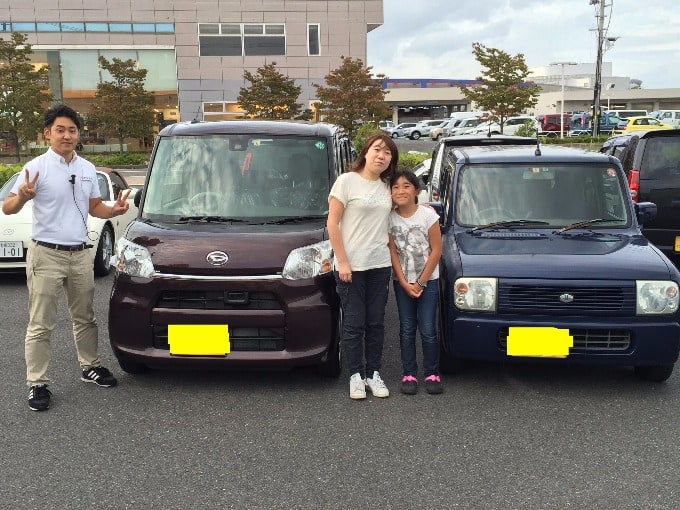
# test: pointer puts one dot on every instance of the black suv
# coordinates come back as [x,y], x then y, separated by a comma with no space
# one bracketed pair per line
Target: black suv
[651,160]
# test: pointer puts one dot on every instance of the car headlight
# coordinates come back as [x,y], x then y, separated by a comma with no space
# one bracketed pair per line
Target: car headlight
[475,294]
[132,259]
[308,261]
[656,297]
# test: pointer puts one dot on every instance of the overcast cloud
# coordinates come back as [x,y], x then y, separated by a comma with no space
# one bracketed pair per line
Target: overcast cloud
[433,38]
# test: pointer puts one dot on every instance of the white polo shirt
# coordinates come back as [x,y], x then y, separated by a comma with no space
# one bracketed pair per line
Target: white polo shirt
[60,208]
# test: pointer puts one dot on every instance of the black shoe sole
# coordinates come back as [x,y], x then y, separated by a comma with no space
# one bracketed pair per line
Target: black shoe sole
[38,408]
[111,385]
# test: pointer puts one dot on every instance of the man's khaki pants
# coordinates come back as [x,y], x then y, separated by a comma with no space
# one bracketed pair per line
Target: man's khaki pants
[47,272]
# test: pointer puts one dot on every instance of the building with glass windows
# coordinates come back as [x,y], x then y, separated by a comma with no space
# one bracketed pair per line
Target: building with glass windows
[195,51]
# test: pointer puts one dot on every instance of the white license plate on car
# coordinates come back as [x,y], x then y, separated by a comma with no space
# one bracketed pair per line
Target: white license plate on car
[11,249]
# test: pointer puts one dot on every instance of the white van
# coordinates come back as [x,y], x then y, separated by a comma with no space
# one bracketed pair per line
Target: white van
[670,117]
[467,115]
[627,114]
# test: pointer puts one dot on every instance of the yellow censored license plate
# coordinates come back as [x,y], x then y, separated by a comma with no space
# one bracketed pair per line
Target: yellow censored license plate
[677,243]
[199,340]
[544,342]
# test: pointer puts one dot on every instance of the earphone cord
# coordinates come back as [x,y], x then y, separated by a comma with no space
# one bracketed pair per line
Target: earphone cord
[87,232]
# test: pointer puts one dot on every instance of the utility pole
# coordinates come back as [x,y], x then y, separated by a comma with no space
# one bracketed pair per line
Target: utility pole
[598,66]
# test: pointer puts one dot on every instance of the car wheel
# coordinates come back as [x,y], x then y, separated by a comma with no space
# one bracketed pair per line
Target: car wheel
[415,135]
[395,135]
[439,135]
[654,373]
[131,367]
[102,260]
[332,365]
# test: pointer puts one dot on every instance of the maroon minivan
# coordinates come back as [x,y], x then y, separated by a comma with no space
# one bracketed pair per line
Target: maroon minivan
[228,263]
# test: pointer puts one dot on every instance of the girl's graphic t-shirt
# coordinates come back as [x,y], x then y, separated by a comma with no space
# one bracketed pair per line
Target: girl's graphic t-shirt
[412,241]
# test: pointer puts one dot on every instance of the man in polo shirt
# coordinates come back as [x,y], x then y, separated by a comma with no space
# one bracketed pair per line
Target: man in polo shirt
[64,189]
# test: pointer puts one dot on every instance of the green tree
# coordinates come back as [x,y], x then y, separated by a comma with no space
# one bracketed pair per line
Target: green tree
[352,95]
[123,108]
[23,92]
[271,95]
[502,90]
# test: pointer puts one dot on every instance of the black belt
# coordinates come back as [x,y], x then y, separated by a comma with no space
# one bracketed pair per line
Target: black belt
[63,247]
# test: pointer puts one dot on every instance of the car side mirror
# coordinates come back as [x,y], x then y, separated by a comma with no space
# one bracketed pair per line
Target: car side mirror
[645,211]
[138,197]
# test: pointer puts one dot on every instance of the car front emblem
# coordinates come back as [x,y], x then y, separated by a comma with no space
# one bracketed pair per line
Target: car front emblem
[217,258]
[566,298]
[8,232]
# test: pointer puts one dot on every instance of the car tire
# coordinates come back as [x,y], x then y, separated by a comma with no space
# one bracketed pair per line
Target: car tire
[415,135]
[102,259]
[395,135]
[332,365]
[439,135]
[654,373]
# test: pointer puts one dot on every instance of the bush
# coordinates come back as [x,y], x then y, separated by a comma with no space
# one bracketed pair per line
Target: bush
[7,171]
[115,160]
[408,161]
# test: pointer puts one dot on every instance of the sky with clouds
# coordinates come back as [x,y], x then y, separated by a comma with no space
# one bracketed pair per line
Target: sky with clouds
[433,38]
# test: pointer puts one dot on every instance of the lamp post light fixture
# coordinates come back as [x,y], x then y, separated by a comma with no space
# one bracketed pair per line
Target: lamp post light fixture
[562,101]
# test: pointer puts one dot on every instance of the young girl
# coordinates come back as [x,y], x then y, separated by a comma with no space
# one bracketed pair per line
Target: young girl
[358,207]
[415,244]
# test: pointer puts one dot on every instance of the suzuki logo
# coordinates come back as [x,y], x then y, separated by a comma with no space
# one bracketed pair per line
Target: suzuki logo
[217,258]
[566,298]
[8,232]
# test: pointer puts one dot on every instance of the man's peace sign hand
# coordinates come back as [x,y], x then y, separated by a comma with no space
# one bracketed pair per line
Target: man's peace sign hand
[27,188]
[120,206]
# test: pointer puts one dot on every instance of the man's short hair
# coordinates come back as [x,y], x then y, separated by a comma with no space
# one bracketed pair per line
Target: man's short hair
[61,110]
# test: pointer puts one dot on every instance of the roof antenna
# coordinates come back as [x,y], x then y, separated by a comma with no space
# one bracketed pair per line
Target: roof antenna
[537,152]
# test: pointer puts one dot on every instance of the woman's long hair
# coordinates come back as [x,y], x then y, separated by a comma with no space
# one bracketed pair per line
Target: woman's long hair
[360,162]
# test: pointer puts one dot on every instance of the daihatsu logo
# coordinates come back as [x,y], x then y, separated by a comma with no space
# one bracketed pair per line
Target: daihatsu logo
[8,232]
[217,258]
[566,298]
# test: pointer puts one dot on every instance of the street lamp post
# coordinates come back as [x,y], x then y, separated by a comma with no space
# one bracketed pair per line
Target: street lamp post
[562,101]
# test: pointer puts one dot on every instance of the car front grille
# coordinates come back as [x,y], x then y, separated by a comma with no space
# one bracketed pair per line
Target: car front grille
[587,341]
[218,300]
[241,339]
[567,299]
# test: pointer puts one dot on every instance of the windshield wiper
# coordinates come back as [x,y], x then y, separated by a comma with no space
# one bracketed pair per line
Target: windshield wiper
[581,224]
[508,223]
[209,219]
[293,219]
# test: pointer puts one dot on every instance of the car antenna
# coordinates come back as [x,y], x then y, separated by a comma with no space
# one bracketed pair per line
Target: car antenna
[537,152]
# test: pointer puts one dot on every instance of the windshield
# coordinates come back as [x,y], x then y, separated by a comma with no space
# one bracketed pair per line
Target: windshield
[557,194]
[238,176]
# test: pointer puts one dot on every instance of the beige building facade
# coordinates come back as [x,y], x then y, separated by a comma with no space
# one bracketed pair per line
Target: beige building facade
[195,51]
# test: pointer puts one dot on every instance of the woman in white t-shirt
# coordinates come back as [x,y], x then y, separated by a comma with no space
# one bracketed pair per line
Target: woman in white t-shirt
[415,247]
[358,207]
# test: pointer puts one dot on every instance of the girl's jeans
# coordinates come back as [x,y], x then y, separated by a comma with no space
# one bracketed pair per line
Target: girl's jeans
[418,314]
[363,307]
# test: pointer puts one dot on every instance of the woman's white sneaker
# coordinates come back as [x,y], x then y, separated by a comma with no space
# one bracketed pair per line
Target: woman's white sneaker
[357,388]
[377,386]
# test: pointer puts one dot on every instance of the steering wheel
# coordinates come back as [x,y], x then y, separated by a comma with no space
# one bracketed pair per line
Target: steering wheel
[209,199]
[498,213]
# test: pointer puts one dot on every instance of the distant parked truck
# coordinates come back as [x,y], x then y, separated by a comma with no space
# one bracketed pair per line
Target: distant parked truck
[551,124]
[581,124]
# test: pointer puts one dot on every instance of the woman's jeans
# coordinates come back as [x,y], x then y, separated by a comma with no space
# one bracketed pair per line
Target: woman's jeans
[421,314]
[363,306]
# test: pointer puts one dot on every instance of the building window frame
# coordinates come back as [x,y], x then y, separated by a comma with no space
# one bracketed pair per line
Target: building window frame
[314,39]
[241,39]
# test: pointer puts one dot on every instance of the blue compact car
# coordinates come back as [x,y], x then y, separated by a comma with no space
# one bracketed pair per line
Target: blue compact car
[543,258]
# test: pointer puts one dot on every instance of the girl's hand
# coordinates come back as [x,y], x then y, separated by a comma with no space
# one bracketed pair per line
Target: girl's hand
[412,289]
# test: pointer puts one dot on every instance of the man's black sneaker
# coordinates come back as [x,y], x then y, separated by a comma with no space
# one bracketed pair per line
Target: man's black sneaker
[100,376]
[39,397]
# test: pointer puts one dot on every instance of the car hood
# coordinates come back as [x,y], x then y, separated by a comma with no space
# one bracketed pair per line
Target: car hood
[571,255]
[251,249]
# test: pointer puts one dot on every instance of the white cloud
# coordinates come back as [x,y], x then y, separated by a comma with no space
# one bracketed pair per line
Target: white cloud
[433,38]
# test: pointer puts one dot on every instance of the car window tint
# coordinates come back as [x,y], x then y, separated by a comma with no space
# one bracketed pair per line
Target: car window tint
[661,158]
[103,186]
[243,176]
[556,194]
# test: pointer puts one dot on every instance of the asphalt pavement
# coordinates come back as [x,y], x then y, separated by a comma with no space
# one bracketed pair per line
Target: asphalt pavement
[501,436]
